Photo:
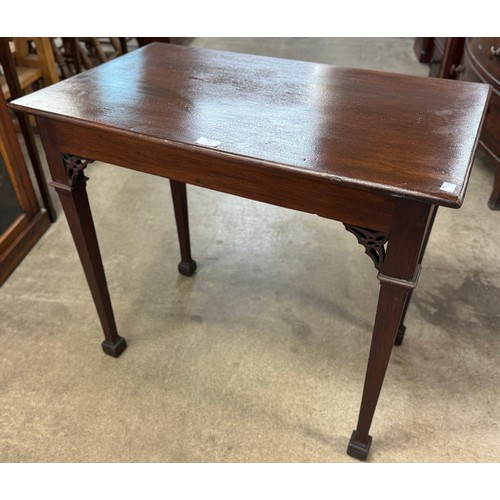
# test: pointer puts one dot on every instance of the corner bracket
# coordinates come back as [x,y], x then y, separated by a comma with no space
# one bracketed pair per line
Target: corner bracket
[372,241]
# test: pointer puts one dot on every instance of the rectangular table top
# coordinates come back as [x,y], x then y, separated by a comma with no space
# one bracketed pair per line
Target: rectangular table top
[394,134]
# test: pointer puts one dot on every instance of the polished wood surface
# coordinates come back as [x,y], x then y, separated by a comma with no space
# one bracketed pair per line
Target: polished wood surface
[329,122]
[377,151]
[474,59]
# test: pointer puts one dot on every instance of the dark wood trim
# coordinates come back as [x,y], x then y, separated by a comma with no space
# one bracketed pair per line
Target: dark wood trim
[450,64]
[249,178]
[10,234]
[423,49]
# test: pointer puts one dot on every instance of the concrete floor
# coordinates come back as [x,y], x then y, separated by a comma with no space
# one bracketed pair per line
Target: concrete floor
[260,356]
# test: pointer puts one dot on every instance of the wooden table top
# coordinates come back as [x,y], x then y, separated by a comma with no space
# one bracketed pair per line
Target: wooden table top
[394,134]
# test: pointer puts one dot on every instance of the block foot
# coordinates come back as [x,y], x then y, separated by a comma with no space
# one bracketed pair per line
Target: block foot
[400,335]
[115,348]
[187,268]
[494,203]
[358,449]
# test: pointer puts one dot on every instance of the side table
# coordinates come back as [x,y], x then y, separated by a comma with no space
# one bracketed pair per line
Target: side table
[377,151]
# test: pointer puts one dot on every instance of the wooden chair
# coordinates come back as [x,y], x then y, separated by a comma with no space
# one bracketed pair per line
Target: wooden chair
[74,55]
[34,62]
[14,88]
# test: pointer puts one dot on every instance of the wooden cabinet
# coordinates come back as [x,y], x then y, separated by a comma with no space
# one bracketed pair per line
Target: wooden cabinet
[481,63]
[445,57]
[22,221]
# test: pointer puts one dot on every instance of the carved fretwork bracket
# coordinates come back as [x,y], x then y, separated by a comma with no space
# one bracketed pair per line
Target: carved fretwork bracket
[74,166]
[373,241]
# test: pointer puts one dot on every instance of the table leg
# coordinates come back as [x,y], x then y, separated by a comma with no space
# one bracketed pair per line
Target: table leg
[402,328]
[187,265]
[398,276]
[494,201]
[400,334]
[70,184]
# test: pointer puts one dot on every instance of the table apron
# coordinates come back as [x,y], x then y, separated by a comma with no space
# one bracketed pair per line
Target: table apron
[240,176]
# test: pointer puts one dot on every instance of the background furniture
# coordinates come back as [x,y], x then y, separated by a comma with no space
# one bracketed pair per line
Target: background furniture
[34,61]
[476,60]
[22,221]
[27,63]
[16,89]
[76,54]
[443,56]
[481,63]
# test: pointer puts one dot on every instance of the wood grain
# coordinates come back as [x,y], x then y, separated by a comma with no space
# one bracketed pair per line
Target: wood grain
[393,134]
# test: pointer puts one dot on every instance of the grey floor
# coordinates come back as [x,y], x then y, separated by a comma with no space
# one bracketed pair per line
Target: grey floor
[260,356]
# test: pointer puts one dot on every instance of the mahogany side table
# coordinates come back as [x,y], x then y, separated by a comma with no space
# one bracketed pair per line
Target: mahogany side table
[377,151]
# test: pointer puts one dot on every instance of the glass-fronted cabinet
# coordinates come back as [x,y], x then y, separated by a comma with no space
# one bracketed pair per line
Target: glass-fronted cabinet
[10,209]
[22,221]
